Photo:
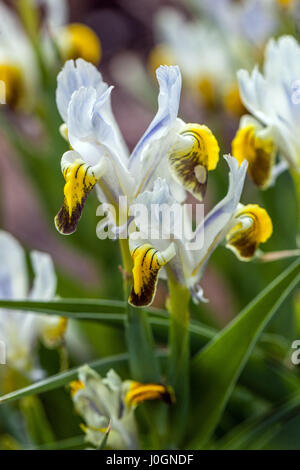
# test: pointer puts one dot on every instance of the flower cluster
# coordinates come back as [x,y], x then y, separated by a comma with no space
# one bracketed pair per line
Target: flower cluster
[182,154]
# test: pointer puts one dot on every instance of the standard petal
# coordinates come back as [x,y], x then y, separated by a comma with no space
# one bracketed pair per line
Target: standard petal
[76,74]
[216,224]
[94,136]
[80,180]
[169,79]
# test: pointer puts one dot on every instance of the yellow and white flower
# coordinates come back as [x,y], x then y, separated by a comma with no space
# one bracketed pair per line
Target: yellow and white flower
[275,124]
[183,153]
[74,40]
[19,69]
[252,21]
[107,405]
[20,332]
[243,228]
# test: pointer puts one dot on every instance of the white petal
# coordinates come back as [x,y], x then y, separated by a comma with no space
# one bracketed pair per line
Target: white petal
[57,12]
[169,79]
[13,272]
[216,223]
[76,74]
[44,283]
[93,135]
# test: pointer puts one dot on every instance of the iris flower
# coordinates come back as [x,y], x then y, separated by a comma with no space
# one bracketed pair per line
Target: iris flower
[18,65]
[184,153]
[243,227]
[107,405]
[273,128]
[19,332]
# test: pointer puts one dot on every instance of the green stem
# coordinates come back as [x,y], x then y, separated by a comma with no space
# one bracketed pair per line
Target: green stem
[296,177]
[178,366]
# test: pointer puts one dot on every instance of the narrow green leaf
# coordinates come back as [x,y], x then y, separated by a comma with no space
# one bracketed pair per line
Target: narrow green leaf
[256,433]
[271,380]
[59,380]
[65,305]
[216,368]
[36,422]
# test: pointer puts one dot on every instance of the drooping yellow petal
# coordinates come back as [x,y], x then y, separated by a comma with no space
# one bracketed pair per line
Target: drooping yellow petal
[138,393]
[254,226]
[79,41]
[53,333]
[192,158]
[260,152]
[75,386]
[147,261]
[13,87]
[207,88]
[232,101]
[80,180]
[161,54]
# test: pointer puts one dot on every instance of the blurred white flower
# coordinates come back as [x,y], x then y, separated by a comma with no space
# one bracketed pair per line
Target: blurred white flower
[250,20]
[107,406]
[19,331]
[207,64]
[270,97]
[19,67]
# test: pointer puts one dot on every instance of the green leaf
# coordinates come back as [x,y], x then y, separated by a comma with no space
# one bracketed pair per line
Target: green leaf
[36,422]
[269,379]
[59,380]
[256,433]
[217,367]
[62,306]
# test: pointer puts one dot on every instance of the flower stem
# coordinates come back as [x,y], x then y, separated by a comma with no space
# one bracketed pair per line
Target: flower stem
[178,366]
[296,177]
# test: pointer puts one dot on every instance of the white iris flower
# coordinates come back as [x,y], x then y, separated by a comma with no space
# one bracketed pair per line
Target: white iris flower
[18,331]
[243,228]
[271,98]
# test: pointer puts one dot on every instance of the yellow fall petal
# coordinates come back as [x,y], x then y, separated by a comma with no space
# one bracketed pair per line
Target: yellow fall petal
[13,84]
[53,333]
[191,160]
[254,226]
[161,54]
[259,152]
[80,180]
[232,101]
[138,393]
[207,88]
[75,386]
[147,261]
[79,41]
